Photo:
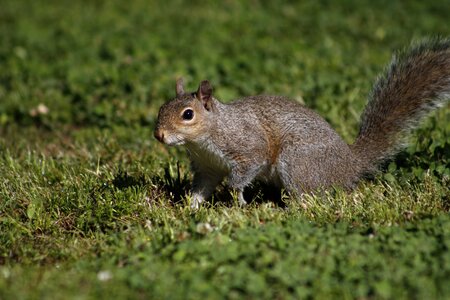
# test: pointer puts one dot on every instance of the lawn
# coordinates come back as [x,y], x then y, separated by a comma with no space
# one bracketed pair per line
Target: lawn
[92,206]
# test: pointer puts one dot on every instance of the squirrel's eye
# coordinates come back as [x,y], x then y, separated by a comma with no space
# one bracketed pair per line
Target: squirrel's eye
[188,114]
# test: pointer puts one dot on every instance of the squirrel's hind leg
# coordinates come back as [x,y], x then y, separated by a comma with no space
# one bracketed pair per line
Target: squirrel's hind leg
[241,177]
[308,168]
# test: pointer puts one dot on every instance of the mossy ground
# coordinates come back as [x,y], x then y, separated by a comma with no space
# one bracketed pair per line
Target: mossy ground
[91,206]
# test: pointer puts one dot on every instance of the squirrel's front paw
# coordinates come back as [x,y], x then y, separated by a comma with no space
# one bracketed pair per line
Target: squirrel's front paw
[241,199]
[196,201]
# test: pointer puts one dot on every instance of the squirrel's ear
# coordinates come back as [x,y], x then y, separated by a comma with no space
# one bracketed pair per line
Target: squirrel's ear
[180,87]
[204,93]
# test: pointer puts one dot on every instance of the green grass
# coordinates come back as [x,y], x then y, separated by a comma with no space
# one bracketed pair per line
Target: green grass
[91,206]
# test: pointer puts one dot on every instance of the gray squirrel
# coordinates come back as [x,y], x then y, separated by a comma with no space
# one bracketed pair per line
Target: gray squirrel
[275,139]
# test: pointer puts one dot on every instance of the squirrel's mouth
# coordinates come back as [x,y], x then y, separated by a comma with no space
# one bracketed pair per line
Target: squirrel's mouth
[173,142]
[169,139]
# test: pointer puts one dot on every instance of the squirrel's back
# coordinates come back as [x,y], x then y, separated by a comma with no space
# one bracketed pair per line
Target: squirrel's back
[280,115]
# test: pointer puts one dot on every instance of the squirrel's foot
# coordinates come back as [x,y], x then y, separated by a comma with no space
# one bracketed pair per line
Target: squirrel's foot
[196,201]
[241,199]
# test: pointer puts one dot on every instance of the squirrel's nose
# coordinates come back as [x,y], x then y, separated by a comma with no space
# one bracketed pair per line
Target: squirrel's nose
[159,135]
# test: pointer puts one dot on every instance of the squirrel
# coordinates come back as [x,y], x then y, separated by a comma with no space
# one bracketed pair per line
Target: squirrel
[277,140]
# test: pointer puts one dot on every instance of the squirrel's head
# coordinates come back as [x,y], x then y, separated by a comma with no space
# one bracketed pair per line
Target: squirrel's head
[187,117]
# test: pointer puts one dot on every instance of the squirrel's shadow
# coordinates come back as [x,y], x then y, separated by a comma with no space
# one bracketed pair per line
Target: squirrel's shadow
[172,185]
[258,192]
[175,186]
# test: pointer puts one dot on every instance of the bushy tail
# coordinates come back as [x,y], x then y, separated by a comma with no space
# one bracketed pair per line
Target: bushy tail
[416,82]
